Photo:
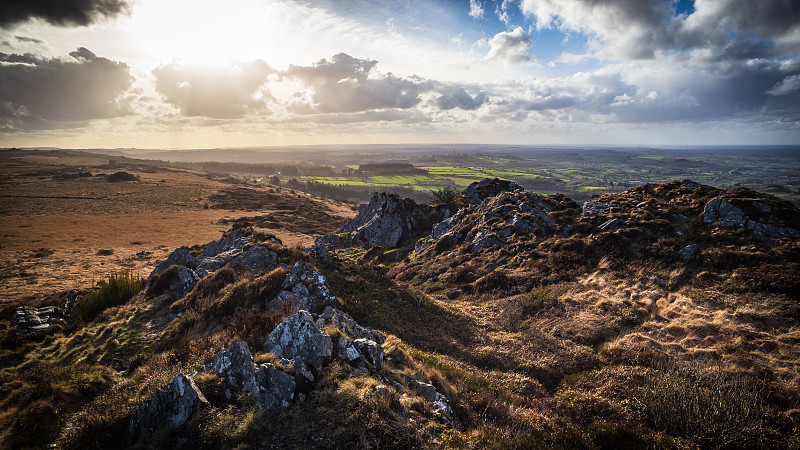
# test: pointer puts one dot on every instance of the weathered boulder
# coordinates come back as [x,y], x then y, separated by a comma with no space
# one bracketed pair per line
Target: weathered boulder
[385,221]
[299,336]
[595,208]
[256,257]
[424,390]
[720,210]
[443,227]
[272,389]
[32,320]
[179,257]
[478,191]
[371,351]
[233,240]
[303,289]
[345,323]
[346,351]
[170,406]
[176,281]
[429,392]
[769,231]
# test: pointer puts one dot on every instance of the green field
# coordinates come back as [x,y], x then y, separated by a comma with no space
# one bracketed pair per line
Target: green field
[437,177]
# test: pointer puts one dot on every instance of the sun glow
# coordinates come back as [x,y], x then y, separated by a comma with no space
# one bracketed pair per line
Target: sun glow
[206,31]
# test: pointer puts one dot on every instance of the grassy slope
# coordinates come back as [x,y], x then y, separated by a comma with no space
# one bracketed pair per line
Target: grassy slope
[598,340]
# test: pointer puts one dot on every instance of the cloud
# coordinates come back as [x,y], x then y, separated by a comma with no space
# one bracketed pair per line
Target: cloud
[39,93]
[786,86]
[510,47]
[643,29]
[221,91]
[661,91]
[346,84]
[60,12]
[459,98]
[476,9]
[501,11]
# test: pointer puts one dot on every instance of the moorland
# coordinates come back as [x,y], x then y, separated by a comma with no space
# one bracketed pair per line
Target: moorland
[529,297]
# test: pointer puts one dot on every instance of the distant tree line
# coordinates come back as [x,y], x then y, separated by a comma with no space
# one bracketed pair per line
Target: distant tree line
[259,168]
[388,168]
[347,193]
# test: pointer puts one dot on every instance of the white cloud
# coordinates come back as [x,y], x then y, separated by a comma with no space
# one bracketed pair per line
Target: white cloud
[476,9]
[221,91]
[510,47]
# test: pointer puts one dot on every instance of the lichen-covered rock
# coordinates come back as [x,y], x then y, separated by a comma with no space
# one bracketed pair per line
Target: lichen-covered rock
[385,221]
[769,231]
[478,191]
[345,323]
[303,289]
[176,281]
[272,389]
[371,351]
[497,221]
[256,257]
[169,407]
[721,210]
[32,320]
[425,390]
[345,350]
[232,241]
[595,208]
[179,257]
[299,336]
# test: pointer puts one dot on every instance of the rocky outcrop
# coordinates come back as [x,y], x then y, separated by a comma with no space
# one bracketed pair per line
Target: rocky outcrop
[298,336]
[720,210]
[256,257]
[385,221]
[479,191]
[754,215]
[231,248]
[303,289]
[271,388]
[179,257]
[429,392]
[32,320]
[176,281]
[497,220]
[371,351]
[345,323]
[169,407]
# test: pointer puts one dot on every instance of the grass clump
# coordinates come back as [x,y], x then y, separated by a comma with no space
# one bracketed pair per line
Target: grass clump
[117,289]
[710,407]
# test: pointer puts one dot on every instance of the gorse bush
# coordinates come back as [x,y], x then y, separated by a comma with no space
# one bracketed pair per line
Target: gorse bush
[446,195]
[118,289]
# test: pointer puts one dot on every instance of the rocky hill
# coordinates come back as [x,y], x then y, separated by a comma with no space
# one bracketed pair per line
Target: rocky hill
[665,316]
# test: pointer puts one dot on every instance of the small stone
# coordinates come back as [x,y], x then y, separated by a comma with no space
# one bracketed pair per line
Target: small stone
[687,252]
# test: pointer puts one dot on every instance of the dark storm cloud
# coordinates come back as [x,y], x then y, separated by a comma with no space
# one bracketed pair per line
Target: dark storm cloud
[40,93]
[344,84]
[60,12]
[222,91]
[459,98]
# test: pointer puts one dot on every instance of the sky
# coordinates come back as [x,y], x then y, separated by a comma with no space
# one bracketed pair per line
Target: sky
[205,73]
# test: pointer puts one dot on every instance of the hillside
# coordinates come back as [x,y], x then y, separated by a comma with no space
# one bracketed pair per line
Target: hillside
[664,316]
